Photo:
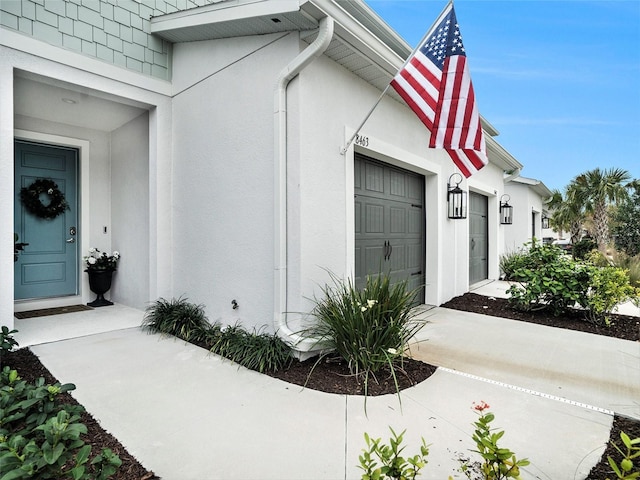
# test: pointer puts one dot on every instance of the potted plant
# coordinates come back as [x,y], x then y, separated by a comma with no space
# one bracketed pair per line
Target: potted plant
[100,268]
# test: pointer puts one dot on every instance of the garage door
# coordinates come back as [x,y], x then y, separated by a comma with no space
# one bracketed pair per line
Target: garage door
[389,223]
[478,238]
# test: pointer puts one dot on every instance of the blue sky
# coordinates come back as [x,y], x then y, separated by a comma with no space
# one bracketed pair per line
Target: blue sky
[560,80]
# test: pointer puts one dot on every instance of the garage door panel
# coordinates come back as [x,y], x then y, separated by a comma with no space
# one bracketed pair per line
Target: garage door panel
[398,219]
[415,221]
[397,184]
[390,223]
[374,178]
[374,218]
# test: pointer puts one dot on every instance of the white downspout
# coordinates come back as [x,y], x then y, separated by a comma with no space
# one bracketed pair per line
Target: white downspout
[313,51]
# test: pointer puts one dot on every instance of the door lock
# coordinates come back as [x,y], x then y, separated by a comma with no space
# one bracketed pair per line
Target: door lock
[72,231]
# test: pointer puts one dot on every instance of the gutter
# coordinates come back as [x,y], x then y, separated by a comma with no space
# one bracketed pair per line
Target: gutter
[512,174]
[316,49]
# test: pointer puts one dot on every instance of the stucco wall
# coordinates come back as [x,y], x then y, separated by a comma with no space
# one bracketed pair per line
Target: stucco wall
[223,167]
[524,201]
[129,199]
[332,99]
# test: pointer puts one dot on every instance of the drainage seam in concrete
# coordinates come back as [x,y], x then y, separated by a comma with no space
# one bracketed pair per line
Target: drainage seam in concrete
[530,392]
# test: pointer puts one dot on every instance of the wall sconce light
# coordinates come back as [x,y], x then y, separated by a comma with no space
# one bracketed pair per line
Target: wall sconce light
[506,211]
[456,199]
[545,222]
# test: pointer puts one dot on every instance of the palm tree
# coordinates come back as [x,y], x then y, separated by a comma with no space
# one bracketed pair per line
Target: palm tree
[596,190]
[566,213]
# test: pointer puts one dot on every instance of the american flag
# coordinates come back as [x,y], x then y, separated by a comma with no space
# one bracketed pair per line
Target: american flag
[436,84]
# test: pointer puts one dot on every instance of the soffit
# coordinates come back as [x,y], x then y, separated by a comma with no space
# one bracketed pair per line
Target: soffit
[354,46]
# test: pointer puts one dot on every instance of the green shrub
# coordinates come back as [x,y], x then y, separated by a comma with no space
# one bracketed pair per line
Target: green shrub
[7,342]
[368,328]
[394,466]
[40,436]
[583,247]
[550,281]
[626,470]
[629,263]
[254,350]
[608,287]
[510,262]
[177,317]
[497,463]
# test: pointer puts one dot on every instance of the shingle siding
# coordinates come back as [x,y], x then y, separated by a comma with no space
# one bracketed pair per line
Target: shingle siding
[114,31]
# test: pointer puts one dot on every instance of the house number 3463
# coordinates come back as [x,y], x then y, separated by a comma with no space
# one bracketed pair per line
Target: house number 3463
[362,140]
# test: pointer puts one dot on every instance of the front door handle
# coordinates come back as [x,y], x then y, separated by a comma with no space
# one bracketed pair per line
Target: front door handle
[71,240]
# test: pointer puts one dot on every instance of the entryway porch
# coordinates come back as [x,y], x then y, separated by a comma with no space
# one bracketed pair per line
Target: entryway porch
[53,328]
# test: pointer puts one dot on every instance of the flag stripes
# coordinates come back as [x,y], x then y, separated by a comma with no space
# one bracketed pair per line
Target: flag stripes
[436,85]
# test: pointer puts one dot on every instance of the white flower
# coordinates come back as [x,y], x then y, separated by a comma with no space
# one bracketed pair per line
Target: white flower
[116,254]
[392,351]
[92,250]
[50,191]
[363,309]
[91,260]
[371,303]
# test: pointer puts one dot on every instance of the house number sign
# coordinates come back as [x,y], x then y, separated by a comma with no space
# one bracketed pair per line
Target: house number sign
[362,140]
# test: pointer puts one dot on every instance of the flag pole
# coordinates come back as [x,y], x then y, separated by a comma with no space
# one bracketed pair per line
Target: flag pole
[344,149]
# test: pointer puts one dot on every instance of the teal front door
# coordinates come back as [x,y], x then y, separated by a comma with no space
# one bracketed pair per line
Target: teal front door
[48,265]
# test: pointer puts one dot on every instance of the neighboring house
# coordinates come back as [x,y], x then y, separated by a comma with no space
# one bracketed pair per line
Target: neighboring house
[204,145]
[527,197]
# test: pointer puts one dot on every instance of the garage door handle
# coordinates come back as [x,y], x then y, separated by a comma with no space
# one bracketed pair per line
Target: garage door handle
[473,243]
[390,250]
[386,250]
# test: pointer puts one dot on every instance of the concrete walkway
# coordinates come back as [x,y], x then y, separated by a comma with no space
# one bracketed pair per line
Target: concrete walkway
[189,415]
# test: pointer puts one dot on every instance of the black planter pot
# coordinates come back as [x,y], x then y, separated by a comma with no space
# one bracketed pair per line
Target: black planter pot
[100,283]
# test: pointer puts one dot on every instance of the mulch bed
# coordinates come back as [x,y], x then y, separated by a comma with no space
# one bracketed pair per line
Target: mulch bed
[332,375]
[624,327]
[30,369]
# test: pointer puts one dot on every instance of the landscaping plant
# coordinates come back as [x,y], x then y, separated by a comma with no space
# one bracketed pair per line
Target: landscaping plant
[176,317]
[625,470]
[369,328]
[497,463]
[40,437]
[254,350]
[549,281]
[608,287]
[393,466]
[583,247]
[7,342]
[510,262]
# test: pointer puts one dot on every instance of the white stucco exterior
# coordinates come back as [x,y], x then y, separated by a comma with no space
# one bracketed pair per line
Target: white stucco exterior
[527,197]
[182,176]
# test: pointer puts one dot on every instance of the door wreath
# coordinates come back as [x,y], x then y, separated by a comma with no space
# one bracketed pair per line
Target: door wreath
[30,197]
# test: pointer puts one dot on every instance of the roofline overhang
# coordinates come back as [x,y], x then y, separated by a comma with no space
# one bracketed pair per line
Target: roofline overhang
[536,185]
[355,23]
[499,156]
